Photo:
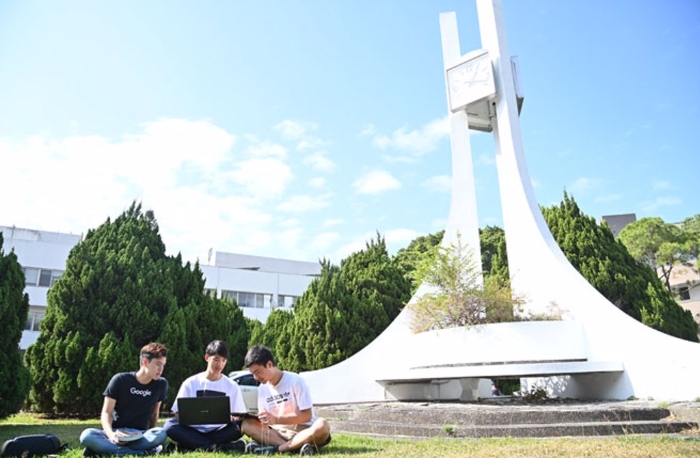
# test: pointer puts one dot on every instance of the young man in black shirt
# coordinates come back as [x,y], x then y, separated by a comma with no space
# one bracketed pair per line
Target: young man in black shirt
[131,407]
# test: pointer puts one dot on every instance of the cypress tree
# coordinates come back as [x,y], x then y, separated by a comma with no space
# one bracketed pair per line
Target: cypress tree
[344,309]
[119,292]
[14,307]
[608,267]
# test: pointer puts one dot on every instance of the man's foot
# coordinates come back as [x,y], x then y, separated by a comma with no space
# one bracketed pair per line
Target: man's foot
[170,447]
[88,452]
[155,450]
[235,446]
[308,449]
[258,449]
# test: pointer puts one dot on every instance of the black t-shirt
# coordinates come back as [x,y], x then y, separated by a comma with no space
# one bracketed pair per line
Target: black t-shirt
[135,402]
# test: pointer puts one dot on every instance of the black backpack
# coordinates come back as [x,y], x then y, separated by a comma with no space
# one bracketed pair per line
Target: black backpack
[32,445]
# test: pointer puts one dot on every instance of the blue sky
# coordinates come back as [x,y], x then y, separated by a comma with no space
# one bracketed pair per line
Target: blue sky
[299,129]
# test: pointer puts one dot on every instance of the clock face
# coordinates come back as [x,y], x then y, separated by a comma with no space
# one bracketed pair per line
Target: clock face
[470,81]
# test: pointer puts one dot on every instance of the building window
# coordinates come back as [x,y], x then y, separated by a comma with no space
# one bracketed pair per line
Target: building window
[33,320]
[243,299]
[31,276]
[286,301]
[45,278]
[55,275]
[41,277]
[684,293]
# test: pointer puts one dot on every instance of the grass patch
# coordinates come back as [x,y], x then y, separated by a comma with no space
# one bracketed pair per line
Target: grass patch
[345,445]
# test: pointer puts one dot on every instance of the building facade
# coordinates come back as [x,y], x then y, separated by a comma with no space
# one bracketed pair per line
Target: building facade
[42,255]
[258,284]
[685,285]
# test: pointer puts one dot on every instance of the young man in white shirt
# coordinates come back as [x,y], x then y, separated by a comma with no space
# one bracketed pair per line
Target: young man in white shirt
[286,420]
[212,382]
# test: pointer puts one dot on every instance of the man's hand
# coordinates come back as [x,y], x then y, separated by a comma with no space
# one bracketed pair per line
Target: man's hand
[266,418]
[117,435]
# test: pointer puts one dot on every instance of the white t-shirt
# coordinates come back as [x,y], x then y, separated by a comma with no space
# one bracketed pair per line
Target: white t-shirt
[198,385]
[290,395]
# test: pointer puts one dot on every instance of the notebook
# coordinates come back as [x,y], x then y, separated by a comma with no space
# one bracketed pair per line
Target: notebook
[206,410]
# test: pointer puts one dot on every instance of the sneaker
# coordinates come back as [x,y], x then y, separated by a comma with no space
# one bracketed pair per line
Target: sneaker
[308,449]
[154,451]
[236,446]
[170,447]
[257,449]
[88,452]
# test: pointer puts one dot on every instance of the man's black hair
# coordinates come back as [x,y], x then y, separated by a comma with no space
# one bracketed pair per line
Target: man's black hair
[218,348]
[258,354]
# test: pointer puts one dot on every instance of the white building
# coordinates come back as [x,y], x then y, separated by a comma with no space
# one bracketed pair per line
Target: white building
[258,284]
[685,284]
[42,255]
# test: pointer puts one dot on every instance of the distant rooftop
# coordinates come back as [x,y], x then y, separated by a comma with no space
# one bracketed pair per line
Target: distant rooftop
[34,235]
[618,222]
[265,264]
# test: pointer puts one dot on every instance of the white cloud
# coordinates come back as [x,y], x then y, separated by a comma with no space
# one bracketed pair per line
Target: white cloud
[302,203]
[331,222]
[399,238]
[301,132]
[349,248]
[394,238]
[317,183]
[485,159]
[659,185]
[418,141]
[608,198]
[375,182]
[262,178]
[203,195]
[439,183]
[369,130]
[582,185]
[319,162]
[268,149]
[660,202]
[294,130]
[324,241]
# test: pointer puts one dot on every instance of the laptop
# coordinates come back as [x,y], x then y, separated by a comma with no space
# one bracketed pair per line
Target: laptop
[206,410]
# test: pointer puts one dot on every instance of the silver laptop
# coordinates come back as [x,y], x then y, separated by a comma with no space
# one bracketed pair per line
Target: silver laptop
[205,410]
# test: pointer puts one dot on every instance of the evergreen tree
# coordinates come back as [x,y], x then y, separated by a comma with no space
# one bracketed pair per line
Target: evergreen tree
[661,246]
[409,258]
[343,310]
[460,296]
[14,307]
[119,292]
[607,265]
[269,334]
[494,258]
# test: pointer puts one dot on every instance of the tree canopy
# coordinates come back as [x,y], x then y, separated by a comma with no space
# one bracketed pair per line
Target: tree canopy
[14,307]
[342,311]
[119,292]
[662,246]
[609,267]
[459,295]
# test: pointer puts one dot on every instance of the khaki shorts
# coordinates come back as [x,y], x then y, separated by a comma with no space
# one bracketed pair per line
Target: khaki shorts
[289,431]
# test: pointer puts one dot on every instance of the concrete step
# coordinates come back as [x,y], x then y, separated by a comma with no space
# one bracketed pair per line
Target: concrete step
[474,420]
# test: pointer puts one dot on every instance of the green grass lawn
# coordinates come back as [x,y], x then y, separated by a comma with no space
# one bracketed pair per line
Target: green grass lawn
[68,431]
